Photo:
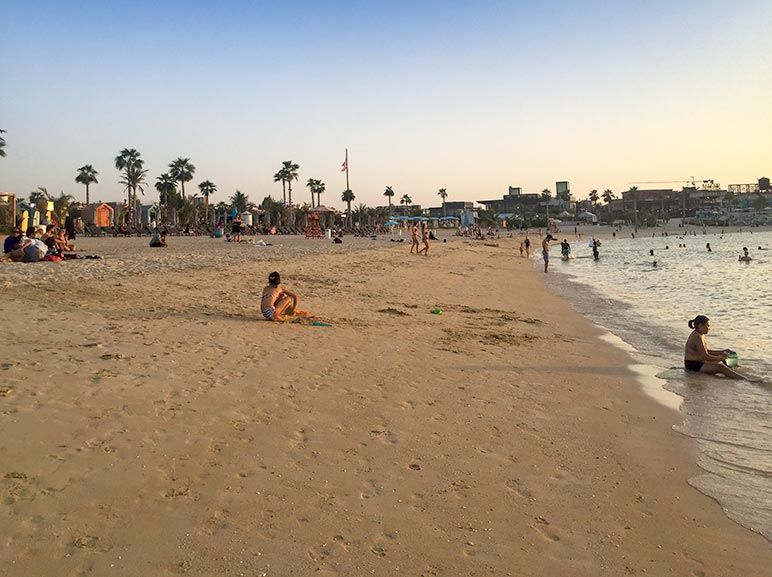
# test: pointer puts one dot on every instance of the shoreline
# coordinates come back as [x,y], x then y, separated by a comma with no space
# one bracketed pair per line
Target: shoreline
[500,436]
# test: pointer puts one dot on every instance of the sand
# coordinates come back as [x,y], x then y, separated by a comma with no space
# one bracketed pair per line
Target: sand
[152,424]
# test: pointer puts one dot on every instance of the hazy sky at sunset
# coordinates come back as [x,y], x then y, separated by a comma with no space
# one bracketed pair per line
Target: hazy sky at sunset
[469,96]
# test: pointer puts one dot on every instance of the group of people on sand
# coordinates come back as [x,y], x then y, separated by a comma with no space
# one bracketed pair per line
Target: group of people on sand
[424,237]
[53,244]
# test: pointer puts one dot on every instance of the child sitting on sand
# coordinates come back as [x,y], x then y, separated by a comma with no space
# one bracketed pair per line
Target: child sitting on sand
[277,301]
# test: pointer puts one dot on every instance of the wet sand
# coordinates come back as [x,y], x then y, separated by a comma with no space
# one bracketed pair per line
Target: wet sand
[152,423]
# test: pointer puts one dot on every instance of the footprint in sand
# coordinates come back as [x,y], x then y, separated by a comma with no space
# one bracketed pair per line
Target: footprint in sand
[90,542]
[542,527]
[299,439]
[380,545]
[519,488]
[384,436]
[370,488]
[341,541]
[319,553]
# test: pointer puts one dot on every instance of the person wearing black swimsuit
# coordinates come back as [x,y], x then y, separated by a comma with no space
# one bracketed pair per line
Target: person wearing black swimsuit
[698,358]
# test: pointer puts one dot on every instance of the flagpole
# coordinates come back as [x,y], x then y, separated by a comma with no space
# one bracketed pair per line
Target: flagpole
[347,185]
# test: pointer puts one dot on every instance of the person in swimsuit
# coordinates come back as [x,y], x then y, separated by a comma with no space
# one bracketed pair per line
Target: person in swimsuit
[236,228]
[698,358]
[414,232]
[425,238]
[527,247]
[545,251]
[277,301]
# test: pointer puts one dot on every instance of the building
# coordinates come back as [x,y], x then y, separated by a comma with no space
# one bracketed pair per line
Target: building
[452,208]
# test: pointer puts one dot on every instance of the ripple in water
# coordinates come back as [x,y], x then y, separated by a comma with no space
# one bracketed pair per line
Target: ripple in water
[649,307]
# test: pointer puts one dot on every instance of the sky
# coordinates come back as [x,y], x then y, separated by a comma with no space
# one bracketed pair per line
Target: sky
[472,97]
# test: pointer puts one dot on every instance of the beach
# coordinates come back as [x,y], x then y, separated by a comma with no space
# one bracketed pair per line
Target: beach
[152,423]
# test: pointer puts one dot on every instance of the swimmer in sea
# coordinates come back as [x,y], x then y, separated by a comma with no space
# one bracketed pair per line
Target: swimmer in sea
[698,358]
[745,257]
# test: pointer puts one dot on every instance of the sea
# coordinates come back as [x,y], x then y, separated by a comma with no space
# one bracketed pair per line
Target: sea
[645,301]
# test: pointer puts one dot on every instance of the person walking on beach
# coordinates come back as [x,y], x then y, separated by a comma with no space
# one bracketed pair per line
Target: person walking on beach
[545,250]
[698,358]
[527,247]
[425,238]
[595,245]
[277,302]
[522,248]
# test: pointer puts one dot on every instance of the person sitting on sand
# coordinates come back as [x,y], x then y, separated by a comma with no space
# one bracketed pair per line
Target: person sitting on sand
[12,242]
[277,302]
[29,249]
[63,243]
[158,239]
[698,358]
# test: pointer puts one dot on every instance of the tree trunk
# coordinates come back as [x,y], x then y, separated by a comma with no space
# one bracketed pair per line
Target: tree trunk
[87,193]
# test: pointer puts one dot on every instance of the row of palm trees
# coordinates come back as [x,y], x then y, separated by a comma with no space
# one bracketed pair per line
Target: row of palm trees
[133,177]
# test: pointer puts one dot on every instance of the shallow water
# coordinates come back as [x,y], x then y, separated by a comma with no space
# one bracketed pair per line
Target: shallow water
[648,307]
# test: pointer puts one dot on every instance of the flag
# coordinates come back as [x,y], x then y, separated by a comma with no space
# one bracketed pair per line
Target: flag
[344,166]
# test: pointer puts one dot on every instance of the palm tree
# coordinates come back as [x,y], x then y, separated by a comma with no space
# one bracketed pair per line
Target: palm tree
[290,170]
[61,206]
[546,194]
[182,170]
[87,175]
[167,190]
[594,197]
[206,189]
[279,176]
[608,196]
[348,197]
[313,184]
[320,188]
[406,200]
[443,195]
[134,180]
[129,160]
[634,191]
[240,201]
[389,192]
[2,144]
[39,198]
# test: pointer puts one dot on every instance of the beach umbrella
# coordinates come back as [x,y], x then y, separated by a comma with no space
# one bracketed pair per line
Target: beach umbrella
[449,218]
[391,223]
[402,218]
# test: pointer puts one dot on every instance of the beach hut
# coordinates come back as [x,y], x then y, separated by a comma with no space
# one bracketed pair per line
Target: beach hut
[98,214]
[149,214]
[587,216]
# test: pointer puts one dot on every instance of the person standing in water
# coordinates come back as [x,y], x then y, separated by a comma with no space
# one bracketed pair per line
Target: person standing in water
[698,358]
[545,251]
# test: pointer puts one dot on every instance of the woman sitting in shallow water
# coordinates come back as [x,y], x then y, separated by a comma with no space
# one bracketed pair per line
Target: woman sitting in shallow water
[699,358]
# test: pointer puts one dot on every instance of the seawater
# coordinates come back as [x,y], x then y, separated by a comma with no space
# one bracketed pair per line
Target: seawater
[648,307]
